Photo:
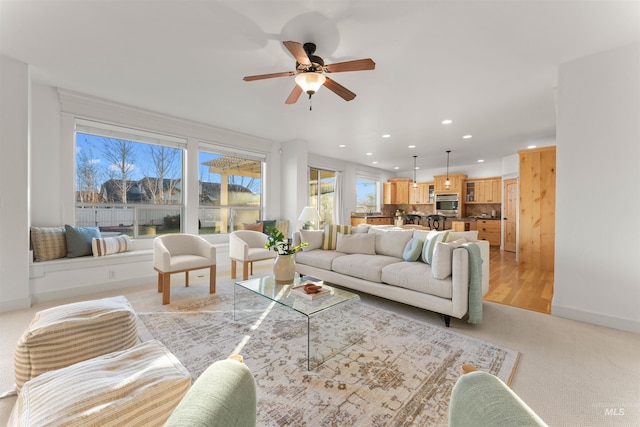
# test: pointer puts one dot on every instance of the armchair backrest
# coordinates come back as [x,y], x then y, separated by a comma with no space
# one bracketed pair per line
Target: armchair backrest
[254,239]
[180,244]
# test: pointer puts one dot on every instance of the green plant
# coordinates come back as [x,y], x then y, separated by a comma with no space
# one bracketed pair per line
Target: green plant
[172,221]
[281,245]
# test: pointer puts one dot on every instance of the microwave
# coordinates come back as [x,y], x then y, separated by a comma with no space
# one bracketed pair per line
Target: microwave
[447,204]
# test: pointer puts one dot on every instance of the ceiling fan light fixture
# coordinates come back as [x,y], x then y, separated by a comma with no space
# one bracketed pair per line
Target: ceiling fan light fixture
[447,183]
[310,81]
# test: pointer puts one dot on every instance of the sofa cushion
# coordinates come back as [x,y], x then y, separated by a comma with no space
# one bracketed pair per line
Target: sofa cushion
[416,276]
[413,249]
[442,261]
[48,243]
[356,243]
[366,267]
[318,258]
[430,244]
[360,228]
[134,387]
[314,239]
[79,240]
[391,242]
[63,335]
[110,245]
[331,235]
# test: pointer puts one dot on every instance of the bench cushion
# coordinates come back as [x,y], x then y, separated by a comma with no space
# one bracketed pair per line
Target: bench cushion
[61,336]
[138,386]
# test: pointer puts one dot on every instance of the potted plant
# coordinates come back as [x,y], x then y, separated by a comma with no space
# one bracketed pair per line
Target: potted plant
[284,267]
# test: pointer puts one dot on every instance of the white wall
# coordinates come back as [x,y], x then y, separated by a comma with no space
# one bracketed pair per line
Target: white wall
[597,261]
[14,188]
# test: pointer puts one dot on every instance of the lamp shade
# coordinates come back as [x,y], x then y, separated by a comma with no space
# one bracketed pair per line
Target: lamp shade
[310,81]
[309,214]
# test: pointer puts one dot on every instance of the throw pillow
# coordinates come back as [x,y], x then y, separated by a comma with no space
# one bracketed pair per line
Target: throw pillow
[79,240]
[430,244]
[413,249]
[110,245]
[313,238]
[268,223]
[356,243]
[391,242]
[48,243]
[253,227]
[331,235]
[442,262]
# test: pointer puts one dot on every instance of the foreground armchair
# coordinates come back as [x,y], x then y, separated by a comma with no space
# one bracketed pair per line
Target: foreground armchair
[224,395]
[182,253]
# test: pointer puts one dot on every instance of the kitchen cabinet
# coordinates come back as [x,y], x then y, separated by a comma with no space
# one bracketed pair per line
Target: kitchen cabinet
[396,191]
[422,194]
[489,229]
[456,181]
[355,221]
[463,225]
[483,190]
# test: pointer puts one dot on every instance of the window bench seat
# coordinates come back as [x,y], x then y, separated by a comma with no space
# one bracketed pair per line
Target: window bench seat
[68,277]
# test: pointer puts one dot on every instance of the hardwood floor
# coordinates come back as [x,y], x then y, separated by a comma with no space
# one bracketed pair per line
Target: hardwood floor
[518,286]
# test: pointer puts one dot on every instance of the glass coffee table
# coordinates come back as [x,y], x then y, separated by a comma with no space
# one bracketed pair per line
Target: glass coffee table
[333,319]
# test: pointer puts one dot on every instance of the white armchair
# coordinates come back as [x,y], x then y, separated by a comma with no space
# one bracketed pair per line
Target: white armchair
[247,246]
[181,253]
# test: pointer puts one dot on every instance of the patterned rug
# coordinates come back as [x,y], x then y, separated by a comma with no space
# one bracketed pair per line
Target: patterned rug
[401,371]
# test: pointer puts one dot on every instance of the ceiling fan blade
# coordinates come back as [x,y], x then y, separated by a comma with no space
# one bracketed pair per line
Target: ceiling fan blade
[339,90]
[268,76]
[298,52]
[294,95]
[357,65]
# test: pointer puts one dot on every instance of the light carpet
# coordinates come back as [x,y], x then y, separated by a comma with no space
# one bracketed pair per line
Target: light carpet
[401,371]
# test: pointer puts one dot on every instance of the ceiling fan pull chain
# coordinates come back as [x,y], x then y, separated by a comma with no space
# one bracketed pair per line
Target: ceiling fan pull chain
[310,104]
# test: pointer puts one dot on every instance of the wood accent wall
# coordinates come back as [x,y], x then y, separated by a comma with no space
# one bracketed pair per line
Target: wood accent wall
[536,241]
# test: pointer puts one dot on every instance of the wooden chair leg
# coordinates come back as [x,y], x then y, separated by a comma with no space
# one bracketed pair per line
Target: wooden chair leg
[186,279]
[251,267]
[245,270]
[233,268]
[166,288]
[159,282]
[212,279]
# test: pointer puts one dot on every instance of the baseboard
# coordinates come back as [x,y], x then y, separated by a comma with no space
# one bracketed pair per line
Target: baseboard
[92,289]
[16,304]
[596,319]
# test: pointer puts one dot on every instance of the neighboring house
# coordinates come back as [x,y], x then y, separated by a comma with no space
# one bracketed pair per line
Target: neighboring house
[145,190]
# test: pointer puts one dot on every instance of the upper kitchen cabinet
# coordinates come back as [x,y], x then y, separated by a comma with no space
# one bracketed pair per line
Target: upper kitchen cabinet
[486,190]
[456,181]
[422,193]
[396,191]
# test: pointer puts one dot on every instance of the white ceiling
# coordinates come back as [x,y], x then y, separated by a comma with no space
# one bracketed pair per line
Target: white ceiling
[490,66]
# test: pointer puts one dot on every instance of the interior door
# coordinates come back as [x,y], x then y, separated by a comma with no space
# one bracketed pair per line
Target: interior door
[509,214]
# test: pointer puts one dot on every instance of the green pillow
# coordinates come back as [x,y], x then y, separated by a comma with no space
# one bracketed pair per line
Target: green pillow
[430,243]
[412,250]
[266,223]
[79,240]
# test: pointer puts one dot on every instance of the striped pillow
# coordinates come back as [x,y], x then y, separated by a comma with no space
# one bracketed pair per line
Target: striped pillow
[138,386]
[48,243]
[430,243]
[110,245]
[61,336]
[331,235]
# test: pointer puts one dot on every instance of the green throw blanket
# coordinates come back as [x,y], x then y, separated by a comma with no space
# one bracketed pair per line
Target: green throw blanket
[475,282]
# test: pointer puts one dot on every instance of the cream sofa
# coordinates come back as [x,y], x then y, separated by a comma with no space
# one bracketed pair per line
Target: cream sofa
[370,259]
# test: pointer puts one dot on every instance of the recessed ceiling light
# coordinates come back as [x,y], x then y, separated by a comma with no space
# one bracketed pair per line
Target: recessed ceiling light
[417,167]
[341,145]
[447,122]
[532,146]
[369,154]
[396,167]
[480,161]
[386,135]
[412,146]
[466,137]
[375,163]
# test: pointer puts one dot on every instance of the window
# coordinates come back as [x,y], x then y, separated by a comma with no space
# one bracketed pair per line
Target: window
[128,181]
[367,195]
[322,194]
[230,190]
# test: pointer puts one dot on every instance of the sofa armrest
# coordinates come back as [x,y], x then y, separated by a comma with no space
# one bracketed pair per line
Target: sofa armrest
[481,399]
[223,395]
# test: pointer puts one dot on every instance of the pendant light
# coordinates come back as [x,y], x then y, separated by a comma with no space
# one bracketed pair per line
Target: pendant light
[415,184]
[447,183]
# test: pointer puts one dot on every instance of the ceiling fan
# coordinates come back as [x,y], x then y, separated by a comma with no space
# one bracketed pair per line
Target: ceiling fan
[310,71]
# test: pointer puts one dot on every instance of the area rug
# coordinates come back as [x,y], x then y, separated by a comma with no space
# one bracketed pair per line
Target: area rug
[401,372]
